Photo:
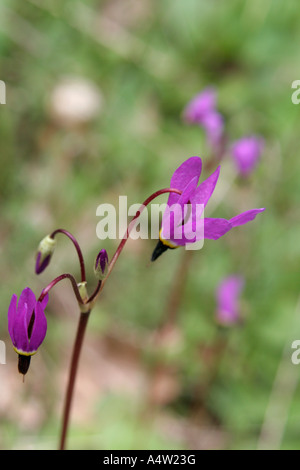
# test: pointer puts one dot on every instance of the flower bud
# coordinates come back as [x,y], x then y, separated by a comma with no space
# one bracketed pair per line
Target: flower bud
[85,307]
[101,265]
[44,253]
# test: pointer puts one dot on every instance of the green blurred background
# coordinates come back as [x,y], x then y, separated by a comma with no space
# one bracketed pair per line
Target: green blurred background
[140,61]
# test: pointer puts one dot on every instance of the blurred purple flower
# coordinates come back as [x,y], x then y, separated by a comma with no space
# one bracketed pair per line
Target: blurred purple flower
[200,106]
[246,153]
[227,294]
[201,110]
[27,324]
[182,221]
[213,125]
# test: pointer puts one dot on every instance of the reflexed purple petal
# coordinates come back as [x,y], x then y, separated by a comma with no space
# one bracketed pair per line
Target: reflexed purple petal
[20,329]
[12,312]
[174,216]
[27,298]
[227,295]
[26,306]
[179,207]
[205,189]
[188,170]
[39,328]
[193,227]
[216,228]
[245,217]
[26,321]
[209,228]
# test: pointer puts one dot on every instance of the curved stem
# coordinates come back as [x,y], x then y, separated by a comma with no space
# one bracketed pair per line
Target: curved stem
[127,233]
[84,316]
[58,279]
[77,247]
[177,289]
[83,319]
[94,295]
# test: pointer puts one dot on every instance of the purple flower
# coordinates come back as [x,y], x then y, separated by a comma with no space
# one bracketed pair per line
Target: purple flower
[101,264]
[182,221]
[201,110]
[200,106]
[227,295]
[27,324]
[246,153]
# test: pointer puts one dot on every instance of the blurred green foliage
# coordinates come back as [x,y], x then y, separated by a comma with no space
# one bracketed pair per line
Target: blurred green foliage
[148,58]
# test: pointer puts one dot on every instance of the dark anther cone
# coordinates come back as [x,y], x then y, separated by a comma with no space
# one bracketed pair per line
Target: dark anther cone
[23,364]
[159,250]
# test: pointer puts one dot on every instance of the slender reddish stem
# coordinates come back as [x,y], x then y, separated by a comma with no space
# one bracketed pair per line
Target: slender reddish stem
[77,247]
[83,319]
[84,316]
[76,350]
[177,288]
[97,290]
[130,227]
[58,279]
